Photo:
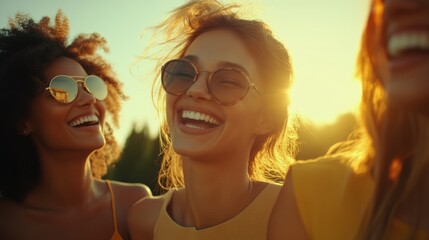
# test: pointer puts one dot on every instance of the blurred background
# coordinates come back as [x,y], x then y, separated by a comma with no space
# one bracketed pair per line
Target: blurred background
[140,159]
[322,38]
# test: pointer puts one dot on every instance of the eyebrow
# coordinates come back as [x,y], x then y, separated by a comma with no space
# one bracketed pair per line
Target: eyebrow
[222,64]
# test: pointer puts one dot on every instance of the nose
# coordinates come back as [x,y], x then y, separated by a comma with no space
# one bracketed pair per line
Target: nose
[84,97]
[396,8]
[199,89]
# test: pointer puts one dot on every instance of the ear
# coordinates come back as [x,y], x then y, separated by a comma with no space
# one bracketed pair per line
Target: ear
[264,124]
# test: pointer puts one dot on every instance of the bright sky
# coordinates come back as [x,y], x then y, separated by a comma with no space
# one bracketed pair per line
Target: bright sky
[322,38]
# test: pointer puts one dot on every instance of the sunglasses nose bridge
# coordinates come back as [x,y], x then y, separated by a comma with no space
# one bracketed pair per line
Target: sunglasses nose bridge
[81,83]
[205,78]
[83,86]
[199,88]
[87,93]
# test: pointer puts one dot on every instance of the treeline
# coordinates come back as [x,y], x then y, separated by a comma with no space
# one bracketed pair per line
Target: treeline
[140,158]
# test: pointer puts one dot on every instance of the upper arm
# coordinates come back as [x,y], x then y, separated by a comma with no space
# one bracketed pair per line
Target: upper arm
[285,221]
[130,193]
[142,218]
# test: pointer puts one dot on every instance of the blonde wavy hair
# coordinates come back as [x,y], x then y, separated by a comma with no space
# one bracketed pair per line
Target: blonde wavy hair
[272,153]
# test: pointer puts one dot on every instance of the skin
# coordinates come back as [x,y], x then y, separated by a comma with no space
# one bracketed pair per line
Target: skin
[215,159]
[406,84]
[285,221]
[57,133]
[67,203]
[406,74]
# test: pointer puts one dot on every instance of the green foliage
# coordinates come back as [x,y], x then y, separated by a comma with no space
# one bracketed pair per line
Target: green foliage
[139,161]
[314,141]
[140,158]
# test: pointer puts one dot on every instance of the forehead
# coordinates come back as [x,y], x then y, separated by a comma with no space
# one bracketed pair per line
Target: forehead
[64,66]
[214,48]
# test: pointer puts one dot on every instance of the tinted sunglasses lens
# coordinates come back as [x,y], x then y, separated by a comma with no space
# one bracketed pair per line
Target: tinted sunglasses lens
[96,87]
[63,88]
[229,86]
[178,76]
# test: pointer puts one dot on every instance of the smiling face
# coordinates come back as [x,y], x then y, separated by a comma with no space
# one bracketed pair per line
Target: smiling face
[77,126]
[406,39]
[200,127]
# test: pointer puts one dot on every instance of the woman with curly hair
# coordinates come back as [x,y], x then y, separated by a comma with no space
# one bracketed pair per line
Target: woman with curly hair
[223,93]
[57,100]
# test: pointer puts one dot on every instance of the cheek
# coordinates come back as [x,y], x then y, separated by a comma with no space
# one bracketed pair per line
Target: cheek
[101,107]
[253,104]
[47,118]
[382,69]
[246,112]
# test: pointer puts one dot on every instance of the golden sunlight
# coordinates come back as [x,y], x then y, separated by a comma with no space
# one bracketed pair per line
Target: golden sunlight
[323,39]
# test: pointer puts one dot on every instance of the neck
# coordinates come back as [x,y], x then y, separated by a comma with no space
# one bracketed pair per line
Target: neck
[210,186]
[64,183]
[414,208]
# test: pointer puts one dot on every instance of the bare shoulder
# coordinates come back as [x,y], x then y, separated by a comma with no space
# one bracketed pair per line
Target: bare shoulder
[130,192]
[259,187]
[11,219]
[285,221]
[142,217]
[146,209]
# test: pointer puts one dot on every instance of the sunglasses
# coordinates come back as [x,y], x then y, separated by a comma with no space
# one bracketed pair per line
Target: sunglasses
[227,86]
[65,88]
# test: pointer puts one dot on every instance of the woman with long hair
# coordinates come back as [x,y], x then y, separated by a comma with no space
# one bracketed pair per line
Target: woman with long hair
[389,197]
[223,95]
[60,104]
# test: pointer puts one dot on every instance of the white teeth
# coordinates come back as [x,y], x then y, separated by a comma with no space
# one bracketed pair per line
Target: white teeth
[200,117]
[84,119]
[405,41]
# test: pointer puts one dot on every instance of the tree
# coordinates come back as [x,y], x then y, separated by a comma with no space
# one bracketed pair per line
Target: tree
[139,161]
[314,141]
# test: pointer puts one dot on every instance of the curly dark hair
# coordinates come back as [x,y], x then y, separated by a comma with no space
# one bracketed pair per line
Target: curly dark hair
[26,49]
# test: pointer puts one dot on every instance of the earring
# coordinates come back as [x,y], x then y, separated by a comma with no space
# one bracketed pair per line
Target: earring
[25,132]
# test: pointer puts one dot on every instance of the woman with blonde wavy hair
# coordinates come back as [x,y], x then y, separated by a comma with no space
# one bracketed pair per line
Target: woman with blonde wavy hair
[394,67]
[223,92]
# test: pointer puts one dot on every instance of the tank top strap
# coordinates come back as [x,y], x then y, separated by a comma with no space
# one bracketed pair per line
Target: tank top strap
[116,235]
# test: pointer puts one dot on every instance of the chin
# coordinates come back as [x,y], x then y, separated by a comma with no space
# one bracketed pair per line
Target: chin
[95,145]
[408,91]
[193,151]
[413,101]
[187,152]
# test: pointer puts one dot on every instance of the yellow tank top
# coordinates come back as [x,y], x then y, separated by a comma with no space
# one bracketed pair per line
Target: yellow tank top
[249,224]
[331,197]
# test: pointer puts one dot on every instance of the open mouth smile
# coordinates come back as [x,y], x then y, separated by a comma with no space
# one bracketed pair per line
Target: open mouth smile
[85,121]
[198,120]
[408,43]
